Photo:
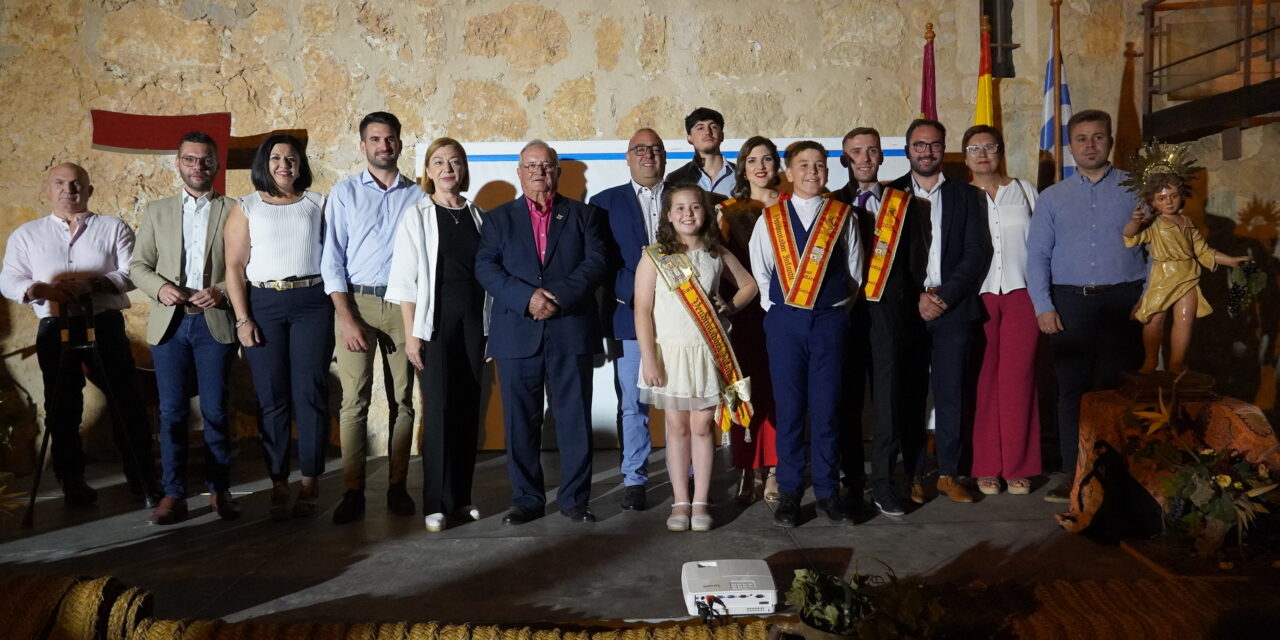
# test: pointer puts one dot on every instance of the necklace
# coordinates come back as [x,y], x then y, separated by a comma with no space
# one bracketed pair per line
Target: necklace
[453,213]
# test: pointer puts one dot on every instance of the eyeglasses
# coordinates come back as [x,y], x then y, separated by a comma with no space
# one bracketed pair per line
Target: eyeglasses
[990,147]
[646,150]
[534,167]
[921,145]
[195,161]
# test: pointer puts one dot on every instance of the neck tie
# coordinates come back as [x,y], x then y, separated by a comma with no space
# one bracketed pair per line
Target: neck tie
[863,196]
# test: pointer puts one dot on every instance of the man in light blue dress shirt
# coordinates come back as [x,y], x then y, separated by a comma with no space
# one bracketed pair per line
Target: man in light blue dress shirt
[708,169]
[362,215]
[1083,281]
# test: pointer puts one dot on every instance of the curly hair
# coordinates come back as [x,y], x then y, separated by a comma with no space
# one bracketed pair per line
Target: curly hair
[742,188]
[668,241]
[1161,181]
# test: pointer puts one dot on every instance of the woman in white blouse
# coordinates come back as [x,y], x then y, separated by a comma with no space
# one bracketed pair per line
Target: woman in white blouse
[1006,431]
[445,323]
[284,320]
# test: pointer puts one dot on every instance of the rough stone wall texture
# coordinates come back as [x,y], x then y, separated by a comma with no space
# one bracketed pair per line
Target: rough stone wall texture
[499,70]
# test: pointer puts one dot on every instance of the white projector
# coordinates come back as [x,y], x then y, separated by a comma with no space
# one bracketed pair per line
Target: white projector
[743,586]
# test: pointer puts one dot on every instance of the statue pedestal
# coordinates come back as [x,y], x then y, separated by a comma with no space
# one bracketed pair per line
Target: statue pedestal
[1226,424]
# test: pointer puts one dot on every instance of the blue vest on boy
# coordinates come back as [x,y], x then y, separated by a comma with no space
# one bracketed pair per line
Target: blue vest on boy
[835,284]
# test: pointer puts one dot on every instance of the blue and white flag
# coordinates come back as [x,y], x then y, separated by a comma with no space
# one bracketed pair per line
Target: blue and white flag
[1046,126]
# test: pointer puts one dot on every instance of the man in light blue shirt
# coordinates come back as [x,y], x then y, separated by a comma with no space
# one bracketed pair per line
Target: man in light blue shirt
[362,215]
[1083,281]
[708,169]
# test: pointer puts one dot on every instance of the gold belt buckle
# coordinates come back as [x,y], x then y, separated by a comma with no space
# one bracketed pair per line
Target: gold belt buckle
[281,285]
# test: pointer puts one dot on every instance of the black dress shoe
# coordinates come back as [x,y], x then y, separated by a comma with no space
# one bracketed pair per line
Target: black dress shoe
[580,513]
[227,507]
[169,511]
[634,499]
[398,500]
[886,503]
[350,508]
[78,493]
[520,515]
[788,513]
[834,507]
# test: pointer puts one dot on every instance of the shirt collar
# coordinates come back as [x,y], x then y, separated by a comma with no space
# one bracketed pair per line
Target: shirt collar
[187,197]
[636,186]
[1107,174]
[875,190]
[366,178]
[533,208]
[62,224]
[942,177]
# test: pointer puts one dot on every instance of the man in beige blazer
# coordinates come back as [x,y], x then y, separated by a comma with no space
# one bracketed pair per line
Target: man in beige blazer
[178,263]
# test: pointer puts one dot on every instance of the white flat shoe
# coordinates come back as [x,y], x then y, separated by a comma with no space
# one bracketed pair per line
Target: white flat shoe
[472,511]
[675,522]
[435,522]
[700,522]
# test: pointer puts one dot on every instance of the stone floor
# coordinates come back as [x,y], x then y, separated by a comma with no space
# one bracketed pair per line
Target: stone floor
[624,567]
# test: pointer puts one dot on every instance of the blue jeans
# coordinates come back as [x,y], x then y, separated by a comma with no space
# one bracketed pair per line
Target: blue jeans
[635,439]
[192,355]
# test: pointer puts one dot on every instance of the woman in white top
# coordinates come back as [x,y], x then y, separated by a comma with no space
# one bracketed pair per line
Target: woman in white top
[445,323]
[284,320]
[1006,431]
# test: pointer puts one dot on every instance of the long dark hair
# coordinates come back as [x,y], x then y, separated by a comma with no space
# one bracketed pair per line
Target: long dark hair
[668,241]
[742,188]
[260,170]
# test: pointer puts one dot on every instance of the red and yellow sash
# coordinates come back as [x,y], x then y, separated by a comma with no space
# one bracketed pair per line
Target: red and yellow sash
[678,273]
[893,210]
[801,274]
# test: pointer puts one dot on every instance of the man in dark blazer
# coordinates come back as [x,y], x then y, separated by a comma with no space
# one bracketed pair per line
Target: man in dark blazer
[541,257]
[884,337]
[708,168]
[178,263]
[958,253]
[634,209]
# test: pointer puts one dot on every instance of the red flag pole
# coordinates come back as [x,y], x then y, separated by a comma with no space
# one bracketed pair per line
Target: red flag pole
[1057,90]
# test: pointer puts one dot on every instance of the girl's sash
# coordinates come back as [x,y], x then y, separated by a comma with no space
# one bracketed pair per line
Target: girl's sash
[678,273]
[893,210]
[800,275]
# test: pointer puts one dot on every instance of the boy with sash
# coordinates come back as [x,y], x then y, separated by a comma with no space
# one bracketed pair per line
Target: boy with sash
[806,258]
[885,327]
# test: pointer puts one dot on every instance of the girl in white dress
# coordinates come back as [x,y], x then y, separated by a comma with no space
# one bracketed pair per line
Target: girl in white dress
[678,373]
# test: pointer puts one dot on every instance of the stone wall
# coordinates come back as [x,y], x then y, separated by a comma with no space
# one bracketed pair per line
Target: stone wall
[496,70]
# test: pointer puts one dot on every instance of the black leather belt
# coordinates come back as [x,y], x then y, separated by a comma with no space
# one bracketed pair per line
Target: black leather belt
[192,309]
[1093,289]
[381,292]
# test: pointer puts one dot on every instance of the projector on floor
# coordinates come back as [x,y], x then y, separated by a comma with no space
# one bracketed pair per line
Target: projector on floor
[743,586]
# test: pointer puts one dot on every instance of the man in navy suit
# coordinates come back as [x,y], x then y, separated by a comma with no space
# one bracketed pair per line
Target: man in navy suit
[634,209]
[541,257]
[954,214]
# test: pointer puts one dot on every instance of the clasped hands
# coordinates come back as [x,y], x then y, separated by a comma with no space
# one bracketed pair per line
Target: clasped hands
[70,289]
[171,294]
[543,304]
[931,306]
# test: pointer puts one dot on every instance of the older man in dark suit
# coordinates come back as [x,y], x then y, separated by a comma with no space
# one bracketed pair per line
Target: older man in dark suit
[954,215]
[541,257]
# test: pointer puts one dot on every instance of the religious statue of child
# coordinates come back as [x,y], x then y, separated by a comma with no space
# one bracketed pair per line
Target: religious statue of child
[1161,178]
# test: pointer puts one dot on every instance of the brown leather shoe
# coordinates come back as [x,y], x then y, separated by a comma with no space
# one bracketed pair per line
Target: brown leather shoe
[227,507]
[169,511]
[917,491]
[948,487]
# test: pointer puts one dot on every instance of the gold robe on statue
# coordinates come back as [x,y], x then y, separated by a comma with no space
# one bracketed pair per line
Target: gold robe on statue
[1176,256]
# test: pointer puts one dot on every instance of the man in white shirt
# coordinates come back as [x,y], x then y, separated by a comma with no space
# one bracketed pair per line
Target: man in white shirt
[634,209]
[362,215]
[957,257]
[179,263]
[806,325]
[67,265]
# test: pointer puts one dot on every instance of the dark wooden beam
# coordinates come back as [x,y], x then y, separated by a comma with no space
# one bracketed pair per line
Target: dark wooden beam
[1206,116]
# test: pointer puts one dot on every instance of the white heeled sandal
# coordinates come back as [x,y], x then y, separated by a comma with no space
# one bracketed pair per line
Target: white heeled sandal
[675,522]
[700,522]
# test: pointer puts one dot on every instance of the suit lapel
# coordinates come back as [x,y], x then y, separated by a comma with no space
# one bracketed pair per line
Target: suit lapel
[636,216]
[559,216]
[522,227]
[950,212]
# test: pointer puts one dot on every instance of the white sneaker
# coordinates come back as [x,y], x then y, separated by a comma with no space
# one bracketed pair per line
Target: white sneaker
[435,522]
[473,511]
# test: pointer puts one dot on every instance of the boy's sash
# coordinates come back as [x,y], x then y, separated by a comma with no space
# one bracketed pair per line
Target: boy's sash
[678,273]
[893,210]
[800,275]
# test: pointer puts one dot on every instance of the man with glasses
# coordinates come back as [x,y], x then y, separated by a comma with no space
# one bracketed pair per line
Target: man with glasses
[66,265]
[708,169]
[541,258]
[178,263]
[954,219]
[362,215]
[634,209]
[1083,281]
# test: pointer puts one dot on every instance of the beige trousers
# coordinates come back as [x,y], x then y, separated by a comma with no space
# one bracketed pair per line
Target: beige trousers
[355,372]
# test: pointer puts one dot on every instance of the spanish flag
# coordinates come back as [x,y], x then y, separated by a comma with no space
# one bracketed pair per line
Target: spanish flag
[983,112]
